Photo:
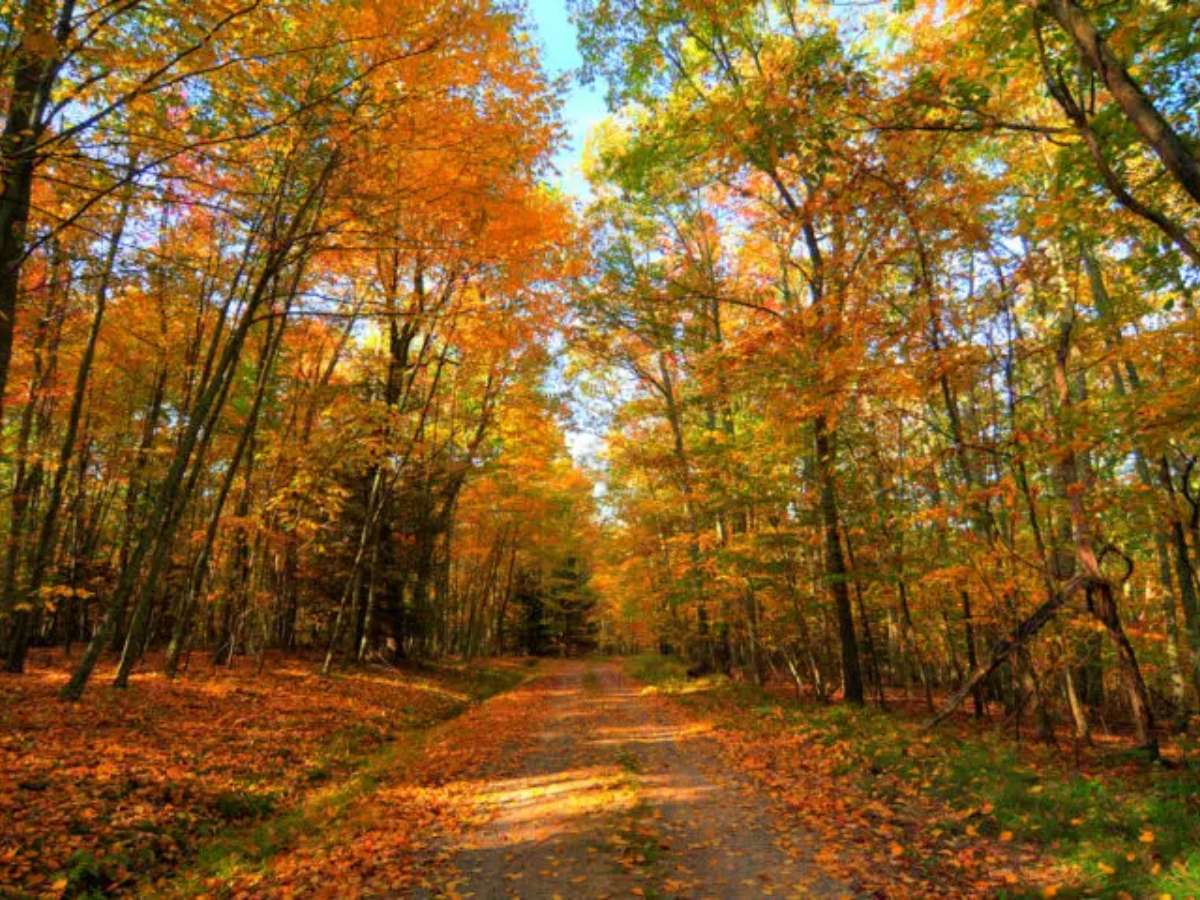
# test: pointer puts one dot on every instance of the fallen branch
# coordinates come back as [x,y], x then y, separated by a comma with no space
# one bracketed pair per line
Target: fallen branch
[1003,649]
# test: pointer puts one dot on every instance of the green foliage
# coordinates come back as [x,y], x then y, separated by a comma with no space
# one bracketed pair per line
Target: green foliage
[557,611]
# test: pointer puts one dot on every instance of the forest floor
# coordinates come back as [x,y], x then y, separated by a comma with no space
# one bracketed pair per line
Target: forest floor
[571,779]
[963,810]
[208,775]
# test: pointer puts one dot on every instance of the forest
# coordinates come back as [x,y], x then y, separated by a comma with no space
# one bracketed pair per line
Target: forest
[834,439]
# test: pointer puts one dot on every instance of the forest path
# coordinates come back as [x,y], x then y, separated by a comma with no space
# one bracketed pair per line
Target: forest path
[620,793]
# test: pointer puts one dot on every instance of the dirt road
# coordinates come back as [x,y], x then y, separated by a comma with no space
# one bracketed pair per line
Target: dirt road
[620,794]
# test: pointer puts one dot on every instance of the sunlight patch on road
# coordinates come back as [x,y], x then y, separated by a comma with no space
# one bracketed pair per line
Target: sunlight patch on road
[648,734]
[534,809]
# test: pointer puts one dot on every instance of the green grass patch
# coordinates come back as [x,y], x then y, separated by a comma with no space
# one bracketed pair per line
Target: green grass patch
[86,876]
[233,806]
[1134,831]
[641,848]
[639,841]
[658,670]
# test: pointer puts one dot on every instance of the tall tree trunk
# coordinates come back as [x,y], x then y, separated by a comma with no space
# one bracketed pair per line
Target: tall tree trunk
[666,386]
[34,77]
[835,563]
[26,471]
[1185,575]
[1087,559]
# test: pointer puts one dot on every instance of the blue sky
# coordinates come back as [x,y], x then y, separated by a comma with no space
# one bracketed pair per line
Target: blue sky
[584,106]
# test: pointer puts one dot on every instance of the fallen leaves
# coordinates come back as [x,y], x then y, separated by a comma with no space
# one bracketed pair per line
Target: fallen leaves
[395,839]
[127,785]
[886,842]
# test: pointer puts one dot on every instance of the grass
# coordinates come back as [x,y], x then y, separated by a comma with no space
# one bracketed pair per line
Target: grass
[1128,829]
[233,806]
[1123,828]
[629,762]
[248,848]
[640,843]
[655,669]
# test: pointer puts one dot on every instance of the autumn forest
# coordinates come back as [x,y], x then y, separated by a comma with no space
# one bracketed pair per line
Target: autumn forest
[784,482]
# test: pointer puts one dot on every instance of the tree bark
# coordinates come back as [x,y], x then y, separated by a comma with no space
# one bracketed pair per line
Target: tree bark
[835,563]
[1155,131]
[34,78]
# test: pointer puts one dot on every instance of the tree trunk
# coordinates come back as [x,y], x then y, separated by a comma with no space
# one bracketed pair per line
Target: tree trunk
[34,77]
[1155,131]
[835,564]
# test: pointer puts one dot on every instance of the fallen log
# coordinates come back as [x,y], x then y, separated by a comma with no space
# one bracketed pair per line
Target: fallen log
[1004,648]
